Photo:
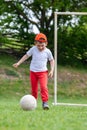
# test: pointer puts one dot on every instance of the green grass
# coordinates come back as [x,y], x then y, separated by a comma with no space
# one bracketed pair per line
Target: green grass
[12,117]
[14,83]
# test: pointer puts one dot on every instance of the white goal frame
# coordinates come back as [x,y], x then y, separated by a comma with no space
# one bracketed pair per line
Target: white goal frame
[55,54]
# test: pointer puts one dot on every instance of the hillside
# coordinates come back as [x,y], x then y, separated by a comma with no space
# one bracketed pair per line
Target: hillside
[71,81]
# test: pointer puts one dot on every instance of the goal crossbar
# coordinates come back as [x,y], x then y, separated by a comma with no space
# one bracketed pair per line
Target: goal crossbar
[71,13]
[55,49]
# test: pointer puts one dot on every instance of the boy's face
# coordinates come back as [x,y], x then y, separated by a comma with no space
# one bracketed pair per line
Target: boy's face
[41,46]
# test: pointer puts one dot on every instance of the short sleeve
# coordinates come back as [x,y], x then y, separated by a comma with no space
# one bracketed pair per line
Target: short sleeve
[50,56]
[30,52]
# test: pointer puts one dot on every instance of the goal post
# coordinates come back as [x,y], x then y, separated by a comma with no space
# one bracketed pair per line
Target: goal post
[55,53]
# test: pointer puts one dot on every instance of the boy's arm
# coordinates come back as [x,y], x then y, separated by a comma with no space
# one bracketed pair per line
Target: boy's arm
[51,68]
[25,57]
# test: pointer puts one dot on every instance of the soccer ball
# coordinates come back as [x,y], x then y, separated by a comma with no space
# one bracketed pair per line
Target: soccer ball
[28,102]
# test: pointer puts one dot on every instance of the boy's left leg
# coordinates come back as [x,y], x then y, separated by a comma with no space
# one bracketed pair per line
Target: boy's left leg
[43,79]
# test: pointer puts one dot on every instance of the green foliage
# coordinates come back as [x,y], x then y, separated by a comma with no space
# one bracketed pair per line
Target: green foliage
[3,40]
[72,46]
[18,17]
[23,12]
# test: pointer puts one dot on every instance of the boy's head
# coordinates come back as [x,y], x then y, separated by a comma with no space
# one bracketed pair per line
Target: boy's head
[41,41]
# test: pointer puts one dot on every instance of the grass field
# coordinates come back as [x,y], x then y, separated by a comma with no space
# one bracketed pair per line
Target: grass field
[12,117]
[15,83]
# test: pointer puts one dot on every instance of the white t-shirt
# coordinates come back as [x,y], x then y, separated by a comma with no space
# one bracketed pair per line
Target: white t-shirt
[39,59]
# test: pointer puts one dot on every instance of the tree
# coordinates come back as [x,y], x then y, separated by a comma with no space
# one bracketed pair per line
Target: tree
[18,17]
[22,15]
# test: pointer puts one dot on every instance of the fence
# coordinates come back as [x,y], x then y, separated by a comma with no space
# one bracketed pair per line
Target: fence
[13,47]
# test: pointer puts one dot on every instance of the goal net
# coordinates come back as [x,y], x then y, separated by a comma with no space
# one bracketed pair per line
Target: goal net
[56,14]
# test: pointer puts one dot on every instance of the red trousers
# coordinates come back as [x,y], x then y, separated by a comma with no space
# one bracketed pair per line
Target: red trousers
[42,79]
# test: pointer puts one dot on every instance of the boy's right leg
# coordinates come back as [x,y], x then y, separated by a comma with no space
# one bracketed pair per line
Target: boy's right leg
[34,84]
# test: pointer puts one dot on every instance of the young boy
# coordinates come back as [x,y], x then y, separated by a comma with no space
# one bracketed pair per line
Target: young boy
[38,67]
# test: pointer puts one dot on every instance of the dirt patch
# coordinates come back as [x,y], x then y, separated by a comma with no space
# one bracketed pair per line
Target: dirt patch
[80,79]
[9,74]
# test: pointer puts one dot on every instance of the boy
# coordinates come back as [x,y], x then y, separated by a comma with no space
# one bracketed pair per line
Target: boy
[38,67]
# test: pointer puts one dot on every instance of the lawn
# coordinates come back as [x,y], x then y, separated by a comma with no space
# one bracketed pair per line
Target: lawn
[14,83]
[12,117]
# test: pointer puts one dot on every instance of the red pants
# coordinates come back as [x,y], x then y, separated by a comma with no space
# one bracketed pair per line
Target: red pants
[42,78]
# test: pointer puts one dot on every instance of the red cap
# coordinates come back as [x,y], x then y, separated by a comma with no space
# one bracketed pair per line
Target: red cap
[41,38]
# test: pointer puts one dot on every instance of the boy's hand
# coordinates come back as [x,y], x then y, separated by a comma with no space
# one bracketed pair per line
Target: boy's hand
[15,65]
[50,74]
